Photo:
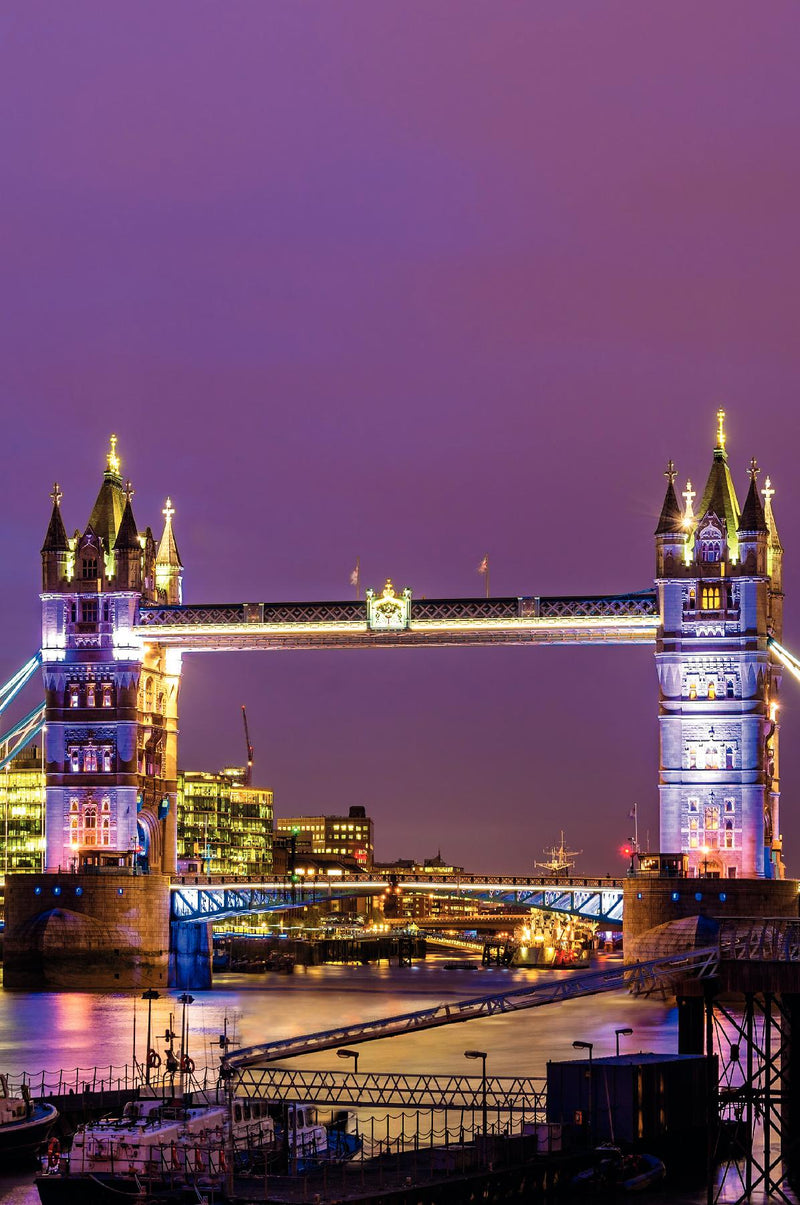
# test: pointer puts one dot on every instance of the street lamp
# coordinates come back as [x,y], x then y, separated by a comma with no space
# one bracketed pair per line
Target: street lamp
[350,1054]
[590,1047]
[705,861]
[150,995]
[481,1054]
[618,1033]
[184,1000]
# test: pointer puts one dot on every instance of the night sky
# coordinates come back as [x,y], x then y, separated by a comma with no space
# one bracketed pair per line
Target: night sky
[412,282]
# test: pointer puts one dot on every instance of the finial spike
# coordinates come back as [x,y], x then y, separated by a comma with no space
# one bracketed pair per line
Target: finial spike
[129,491]
[721,429]
[112,460]
[670,472]
[56,494]
[689,495]
[768,491]
[168,511]
[754,469]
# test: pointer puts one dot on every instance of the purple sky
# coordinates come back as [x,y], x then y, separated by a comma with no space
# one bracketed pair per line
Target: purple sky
[409,281]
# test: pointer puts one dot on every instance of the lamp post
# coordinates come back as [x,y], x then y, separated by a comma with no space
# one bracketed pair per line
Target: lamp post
[350,1054]
[184,1000]
[590,1047]
[481,1054]
[150,995]
[705,861]
[618,1033]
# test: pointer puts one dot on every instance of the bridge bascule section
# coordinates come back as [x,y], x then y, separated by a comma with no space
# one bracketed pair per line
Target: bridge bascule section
[115,629]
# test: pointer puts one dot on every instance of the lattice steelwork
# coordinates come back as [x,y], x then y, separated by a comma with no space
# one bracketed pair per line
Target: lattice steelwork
[641,977]
[592,899]
[337,1089]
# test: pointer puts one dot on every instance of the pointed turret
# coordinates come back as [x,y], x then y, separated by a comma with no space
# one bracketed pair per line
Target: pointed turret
[752,518]
[56,549]
[719,496]
[774,564]
[109,505]
[127,548]
[168,561]
[671,531]
[671,518]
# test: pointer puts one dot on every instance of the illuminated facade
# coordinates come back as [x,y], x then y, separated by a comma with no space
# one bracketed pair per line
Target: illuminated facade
[111,698]
[719,579]
[224,825]
[22,812]
[349,836]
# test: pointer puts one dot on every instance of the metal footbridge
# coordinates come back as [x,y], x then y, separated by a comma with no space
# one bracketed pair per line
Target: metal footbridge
[195,899]
[641,977]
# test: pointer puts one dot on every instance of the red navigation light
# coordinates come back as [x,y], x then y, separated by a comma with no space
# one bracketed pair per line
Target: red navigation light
[626,851]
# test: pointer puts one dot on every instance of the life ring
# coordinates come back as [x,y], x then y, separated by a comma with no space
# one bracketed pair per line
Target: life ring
[187,1064]
[198,1160]
[53,1152]
[153,1058]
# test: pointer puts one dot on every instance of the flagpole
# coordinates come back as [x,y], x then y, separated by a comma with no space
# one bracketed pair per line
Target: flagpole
[487,576]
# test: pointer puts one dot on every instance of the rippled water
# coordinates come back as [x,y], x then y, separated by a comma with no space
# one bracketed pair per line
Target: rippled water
[51,1031]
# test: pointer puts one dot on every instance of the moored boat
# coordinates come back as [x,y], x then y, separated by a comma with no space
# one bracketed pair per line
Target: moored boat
[24,1124]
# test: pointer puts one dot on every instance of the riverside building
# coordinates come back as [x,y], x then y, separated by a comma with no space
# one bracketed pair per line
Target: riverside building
[350,836]
[224,825]
[22,797]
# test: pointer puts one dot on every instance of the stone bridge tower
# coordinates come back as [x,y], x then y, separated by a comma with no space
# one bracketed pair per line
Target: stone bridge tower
[111,700]
[719,580]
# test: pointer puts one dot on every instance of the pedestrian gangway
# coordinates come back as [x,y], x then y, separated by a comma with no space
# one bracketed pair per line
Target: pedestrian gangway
[639,977]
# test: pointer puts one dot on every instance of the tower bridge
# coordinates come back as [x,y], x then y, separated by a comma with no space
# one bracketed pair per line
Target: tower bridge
[115,629]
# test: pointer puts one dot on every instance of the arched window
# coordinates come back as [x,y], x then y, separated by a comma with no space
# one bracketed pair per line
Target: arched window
[711,817]
[105,831]
[90,694]
[74,759]
[90,760]
[728,757]
[88,567]
[74,830]
[712,690]
[728,834]
[90,825]
[692,758]
[692,689]
[107,694]
[106,761]
[711,598]
[692,599]
[74,694]
[712,757]
[729,689]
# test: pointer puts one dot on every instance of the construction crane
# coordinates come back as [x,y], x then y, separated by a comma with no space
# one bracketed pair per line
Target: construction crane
[248,774]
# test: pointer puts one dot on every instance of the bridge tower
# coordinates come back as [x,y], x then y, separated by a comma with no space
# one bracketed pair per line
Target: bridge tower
[111,700]
[719,581]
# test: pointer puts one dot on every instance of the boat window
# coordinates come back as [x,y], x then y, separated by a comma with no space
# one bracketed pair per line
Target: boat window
[237,1113]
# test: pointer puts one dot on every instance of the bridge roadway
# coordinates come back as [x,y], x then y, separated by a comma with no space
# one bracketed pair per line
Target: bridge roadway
[201,899]
[405,622]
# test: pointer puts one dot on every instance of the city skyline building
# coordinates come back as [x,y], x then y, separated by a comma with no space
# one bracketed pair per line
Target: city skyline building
[22,806]
[350,836]
[719,575]
[225,825]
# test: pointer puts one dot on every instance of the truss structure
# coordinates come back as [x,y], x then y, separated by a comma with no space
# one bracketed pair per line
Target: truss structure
[196,901]
[639,977]
[604,619]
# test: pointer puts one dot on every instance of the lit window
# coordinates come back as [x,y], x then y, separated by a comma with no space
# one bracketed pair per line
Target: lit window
[692,690]
[106,694]
[74,760]
[90,694]
[74,695]
[728,758]
[728,805]
[106,761]
[693,805]
[711,598]
[90,760]
[711,817]
[712,690]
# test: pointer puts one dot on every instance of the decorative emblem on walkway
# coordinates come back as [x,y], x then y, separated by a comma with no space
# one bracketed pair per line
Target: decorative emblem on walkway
[388,612]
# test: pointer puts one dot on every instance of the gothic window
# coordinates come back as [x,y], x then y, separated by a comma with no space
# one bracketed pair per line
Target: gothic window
[693,824]
[712,757]
[694,805]
[107,696]
[148,695]
[160,703]
[709,544]
[729,689]
[90,825]
[74,759]
[692,842]
[728,834]
[692,599]
[90,694]
[74,695]
[73,806]
[105,612]
[89,610]
[106,761]
[711,839]
[74,826]
[728,757]
[711,597]
[693,689]
[90,760]
[89,567]
[711,817]
[712,690]
[105,806]
[692,758]
[73,612]
[728,806]
[105,831]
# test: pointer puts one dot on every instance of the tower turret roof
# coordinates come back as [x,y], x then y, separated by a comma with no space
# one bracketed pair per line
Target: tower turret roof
[719,495]
[168,549]
[671,518]
[109,505]
[127,535]
[752,517]
[56,537]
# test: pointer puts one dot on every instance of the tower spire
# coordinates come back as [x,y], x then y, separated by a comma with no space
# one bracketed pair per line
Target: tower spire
[168,561]
[721,437]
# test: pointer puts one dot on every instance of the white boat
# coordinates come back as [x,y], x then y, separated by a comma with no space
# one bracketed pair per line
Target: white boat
[24,1125]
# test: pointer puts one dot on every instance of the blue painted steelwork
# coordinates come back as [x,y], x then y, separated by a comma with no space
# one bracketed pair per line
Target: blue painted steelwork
[10,690]
[597,900]
[15,740]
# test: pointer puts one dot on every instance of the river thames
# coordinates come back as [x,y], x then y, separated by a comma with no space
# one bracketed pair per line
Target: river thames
[55,1031]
